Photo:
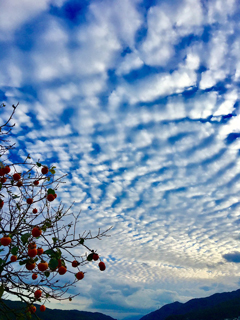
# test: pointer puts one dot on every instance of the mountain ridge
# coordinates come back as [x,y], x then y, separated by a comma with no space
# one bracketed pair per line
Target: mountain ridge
[194,306]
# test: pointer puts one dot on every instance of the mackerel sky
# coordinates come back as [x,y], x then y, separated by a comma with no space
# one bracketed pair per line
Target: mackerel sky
[138,101]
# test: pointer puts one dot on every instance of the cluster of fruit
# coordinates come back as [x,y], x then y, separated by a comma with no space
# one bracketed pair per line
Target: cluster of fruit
[33,252]
[17,177]
[43,266]
[32,309]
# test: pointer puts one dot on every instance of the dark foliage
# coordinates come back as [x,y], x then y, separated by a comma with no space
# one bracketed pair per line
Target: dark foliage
[51,314]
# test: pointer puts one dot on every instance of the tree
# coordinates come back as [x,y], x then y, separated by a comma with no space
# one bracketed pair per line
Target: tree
[36,241]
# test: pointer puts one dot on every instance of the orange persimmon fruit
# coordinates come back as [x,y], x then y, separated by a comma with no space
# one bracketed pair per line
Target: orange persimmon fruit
[42,308]
[16,176]
[36,232]
[79,275]
[13,258]
[37,294]
[5,241]
[42,266]
[102,266]
[40,251]
[62,270]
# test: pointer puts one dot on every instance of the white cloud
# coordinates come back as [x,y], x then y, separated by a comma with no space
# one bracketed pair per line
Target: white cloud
[131,62]
[152,87]
[189,14]
[218,50]
[50,56]
[14,13]
[219,10]
[104,35]
[210,78]
[165,29]
[157,49]
[121,16]
[192,61]
[226,107]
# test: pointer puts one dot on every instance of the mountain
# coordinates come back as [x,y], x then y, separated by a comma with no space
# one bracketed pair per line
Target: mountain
[133,317]
[163,312]
[50,314]
[218,306]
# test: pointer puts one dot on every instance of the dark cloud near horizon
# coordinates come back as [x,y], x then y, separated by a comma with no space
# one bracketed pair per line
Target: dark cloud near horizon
[232,257]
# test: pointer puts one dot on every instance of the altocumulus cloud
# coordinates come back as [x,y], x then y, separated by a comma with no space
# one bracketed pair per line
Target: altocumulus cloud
[139,102]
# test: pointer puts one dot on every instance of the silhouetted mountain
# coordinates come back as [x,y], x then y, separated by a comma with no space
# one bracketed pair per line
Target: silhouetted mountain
[225,310]
[133,317]
[163,312]
[51,314]
[228,304]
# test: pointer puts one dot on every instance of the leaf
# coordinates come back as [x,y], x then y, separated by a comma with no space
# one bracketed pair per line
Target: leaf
[53,263]
[52,171]
[48,178]
[1,291]
[48,223]
[1,261]
[20,316]
[50,252]
[51,191]
[90,257]
[63,263]
[25,237]
[55,240]
[18,206]
[59,251]
[38,164]
[14,251]
[21,263]
[58,254]
[47,273]
[15,197]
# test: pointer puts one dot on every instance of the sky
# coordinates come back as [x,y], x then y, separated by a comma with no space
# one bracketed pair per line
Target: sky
[138,102]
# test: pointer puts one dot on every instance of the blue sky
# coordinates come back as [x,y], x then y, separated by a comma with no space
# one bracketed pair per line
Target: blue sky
[139,102]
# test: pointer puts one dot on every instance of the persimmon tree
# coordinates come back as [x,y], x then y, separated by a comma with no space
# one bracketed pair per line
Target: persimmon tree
[38,239]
